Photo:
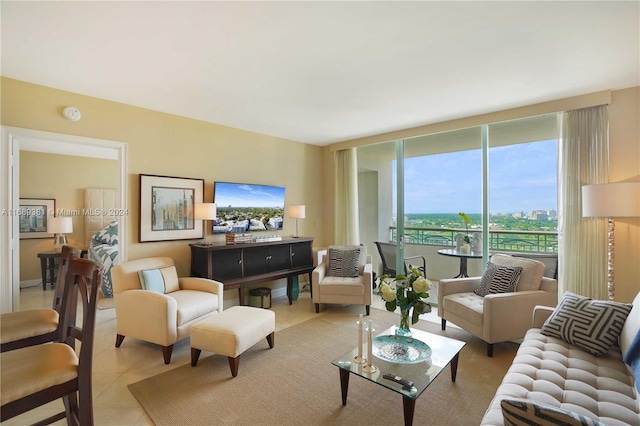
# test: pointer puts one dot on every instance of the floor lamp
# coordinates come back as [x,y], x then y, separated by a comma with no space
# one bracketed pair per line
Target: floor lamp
[59,226]
[297,212]
[204,212]
[611,200]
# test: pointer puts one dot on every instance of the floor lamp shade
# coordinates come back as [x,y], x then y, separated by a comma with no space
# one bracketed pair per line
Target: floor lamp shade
[611,200]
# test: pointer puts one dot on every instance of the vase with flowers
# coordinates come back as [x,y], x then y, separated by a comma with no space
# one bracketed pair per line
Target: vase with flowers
[407,293]
[466,248]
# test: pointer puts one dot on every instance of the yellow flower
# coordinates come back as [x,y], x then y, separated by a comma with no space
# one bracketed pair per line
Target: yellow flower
[387,293]
[421,285]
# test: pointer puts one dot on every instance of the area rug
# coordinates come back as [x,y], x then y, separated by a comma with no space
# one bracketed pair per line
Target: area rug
[295,383]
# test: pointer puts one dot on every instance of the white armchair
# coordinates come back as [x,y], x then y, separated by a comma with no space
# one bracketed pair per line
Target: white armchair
[161,308]
[497,317]
[344,276]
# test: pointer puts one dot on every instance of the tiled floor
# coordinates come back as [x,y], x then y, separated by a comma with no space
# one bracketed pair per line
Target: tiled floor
[114,369]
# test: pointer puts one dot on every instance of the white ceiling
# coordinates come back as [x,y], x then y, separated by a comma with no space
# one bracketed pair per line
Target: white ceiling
[323,72]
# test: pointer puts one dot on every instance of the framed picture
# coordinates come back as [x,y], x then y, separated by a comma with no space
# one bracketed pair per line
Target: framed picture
[166,208]
[34,214]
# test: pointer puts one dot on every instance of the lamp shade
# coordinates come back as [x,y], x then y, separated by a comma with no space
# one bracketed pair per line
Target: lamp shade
[205,211]
[60,225]
[297,212]
[620,199]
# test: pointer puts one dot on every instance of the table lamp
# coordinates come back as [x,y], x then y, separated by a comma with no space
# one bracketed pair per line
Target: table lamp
[204,212]
[611,200]
[59,226]
[297,212]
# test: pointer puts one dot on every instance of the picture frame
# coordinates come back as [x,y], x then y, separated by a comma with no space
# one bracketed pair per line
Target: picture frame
[167,208]
[34,214]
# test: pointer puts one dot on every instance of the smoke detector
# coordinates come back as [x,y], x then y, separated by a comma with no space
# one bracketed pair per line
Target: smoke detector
[71,113]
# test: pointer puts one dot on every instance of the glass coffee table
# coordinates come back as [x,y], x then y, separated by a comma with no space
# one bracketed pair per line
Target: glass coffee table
[418,365]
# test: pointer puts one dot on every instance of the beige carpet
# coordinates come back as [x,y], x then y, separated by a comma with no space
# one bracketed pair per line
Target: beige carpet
[295,384]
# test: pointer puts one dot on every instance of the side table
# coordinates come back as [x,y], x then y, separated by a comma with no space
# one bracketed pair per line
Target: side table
[463,259]
[48,265]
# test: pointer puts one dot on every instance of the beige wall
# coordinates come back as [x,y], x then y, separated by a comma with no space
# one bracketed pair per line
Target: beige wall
[62,178]
[165,144]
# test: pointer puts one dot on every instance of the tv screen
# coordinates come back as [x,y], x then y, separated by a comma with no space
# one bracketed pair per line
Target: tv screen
[243,207]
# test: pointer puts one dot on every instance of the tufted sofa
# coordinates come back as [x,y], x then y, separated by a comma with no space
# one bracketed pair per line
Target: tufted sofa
[549,371]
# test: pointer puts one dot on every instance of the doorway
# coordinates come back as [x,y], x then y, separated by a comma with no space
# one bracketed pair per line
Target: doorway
[14,140]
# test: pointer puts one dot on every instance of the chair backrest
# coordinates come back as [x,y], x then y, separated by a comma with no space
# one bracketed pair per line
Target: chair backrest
[66,254]
[83,279]
[550,261]
[388,255]
[125,277]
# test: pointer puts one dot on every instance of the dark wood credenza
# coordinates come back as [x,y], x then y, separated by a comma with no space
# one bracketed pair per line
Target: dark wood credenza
[244,264]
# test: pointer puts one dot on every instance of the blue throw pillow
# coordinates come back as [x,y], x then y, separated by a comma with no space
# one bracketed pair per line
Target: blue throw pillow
[152,280]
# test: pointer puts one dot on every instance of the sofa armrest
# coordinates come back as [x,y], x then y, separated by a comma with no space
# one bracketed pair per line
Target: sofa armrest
[540,315]
[202,284]
[146,315]
[514,309]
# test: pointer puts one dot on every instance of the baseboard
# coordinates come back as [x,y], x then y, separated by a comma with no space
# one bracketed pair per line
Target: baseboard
[30,283]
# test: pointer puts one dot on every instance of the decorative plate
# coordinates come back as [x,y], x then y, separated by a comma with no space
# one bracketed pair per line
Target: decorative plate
[400,349]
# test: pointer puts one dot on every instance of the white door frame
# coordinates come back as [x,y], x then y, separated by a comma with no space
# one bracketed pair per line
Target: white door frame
[15,139]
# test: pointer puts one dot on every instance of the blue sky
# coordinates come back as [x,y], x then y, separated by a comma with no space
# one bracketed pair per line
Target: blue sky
[522,177]
[247,195]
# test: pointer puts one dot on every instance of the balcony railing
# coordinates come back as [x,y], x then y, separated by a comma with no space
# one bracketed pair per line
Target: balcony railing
[499,240]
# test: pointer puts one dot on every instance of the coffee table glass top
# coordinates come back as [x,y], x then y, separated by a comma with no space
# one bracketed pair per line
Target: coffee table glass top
[443,350]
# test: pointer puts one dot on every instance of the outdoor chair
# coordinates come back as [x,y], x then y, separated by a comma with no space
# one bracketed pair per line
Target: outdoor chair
[388,255]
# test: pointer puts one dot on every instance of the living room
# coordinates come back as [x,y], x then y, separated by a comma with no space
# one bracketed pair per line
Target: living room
[169,144]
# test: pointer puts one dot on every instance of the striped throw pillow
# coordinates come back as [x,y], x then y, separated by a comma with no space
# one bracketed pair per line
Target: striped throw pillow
[498,279]
[343,263]
[591,325]
[524,412]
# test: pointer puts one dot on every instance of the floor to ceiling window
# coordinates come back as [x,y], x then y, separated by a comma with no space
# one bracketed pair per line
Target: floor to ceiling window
[502,175]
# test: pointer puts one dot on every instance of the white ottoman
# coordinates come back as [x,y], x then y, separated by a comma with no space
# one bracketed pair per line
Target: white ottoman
[232,332]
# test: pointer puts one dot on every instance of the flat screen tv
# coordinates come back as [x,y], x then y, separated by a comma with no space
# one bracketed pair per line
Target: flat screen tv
[243,207]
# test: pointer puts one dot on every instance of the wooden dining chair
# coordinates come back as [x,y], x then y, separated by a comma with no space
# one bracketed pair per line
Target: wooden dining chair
[36,326]
[36,375]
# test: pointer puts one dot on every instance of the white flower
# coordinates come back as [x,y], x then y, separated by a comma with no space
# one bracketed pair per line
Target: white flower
[421,285]
[387,293]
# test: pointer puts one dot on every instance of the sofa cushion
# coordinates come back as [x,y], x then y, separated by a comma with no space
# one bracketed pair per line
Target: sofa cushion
[524,412]
[498,279]
[532,270]
[344,262]
[551,371]
[339,286]
[592,325]
[193,304]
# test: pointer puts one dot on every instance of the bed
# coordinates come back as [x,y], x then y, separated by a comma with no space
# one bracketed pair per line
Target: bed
[101,231]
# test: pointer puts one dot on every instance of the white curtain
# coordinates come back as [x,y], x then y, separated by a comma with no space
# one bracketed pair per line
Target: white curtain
[346,198]
[584,160]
